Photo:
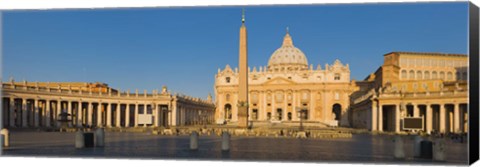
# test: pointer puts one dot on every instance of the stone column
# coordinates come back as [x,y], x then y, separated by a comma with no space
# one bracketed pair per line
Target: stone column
[456,118]
[274,108]
[187,115]
[190,115]
[184,114]
[442,118]
[294,106]
[37,113]
[127,115]
[429,116]
[117,115]
[12,112]
[264,111]
[181,116]
[220,108]
[58,110]
[109,114]
[24,113]
[397,118]
[156,115]
[374,118]
[285,106]
[324,107]
[47,113]
[136,115]
[312,108]
[380,118]
[161,116]
[416,112]
[173,115]
[99,114]
[69,110]
[74,114]
[90,114]
[79,114]
[145,109]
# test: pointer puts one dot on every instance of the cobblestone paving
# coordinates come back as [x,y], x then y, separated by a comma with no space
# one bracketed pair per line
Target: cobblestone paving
[362,148]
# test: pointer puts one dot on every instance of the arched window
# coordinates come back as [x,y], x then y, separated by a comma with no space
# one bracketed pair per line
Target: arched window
[228,111]
[427,75]
[227,97]
[227,79]
[442,75]
[434,75]
[449,76]
[419,75]
[404,74]
[458,76]
[411,74]
[337,77]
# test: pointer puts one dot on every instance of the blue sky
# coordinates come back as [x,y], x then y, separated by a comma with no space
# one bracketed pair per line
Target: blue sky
[182,48]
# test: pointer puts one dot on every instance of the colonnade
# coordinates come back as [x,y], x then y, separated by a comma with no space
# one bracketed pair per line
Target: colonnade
[37,107]
[192,116]
[21,112]
[437,117]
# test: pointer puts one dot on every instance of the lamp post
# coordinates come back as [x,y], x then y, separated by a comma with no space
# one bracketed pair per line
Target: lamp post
[301,111]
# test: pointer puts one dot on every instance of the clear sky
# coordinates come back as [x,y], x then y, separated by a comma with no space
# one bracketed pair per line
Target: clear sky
[182,48]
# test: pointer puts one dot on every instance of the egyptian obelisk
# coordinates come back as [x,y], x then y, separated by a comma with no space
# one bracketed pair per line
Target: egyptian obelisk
[243,74]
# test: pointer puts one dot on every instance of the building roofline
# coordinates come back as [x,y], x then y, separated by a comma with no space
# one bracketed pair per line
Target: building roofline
[429,53]
[368,76]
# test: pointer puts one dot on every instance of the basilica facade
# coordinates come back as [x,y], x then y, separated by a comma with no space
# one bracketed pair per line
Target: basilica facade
[287,91]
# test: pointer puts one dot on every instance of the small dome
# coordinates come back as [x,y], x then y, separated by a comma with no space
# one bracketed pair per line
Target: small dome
[288,56]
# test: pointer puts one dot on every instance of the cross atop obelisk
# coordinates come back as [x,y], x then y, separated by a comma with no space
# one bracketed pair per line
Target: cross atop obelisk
[243,74]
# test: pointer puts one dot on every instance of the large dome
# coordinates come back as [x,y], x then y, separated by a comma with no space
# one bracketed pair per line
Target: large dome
[287,57]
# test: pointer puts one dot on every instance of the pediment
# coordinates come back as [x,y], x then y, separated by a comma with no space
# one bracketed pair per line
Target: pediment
[279,81]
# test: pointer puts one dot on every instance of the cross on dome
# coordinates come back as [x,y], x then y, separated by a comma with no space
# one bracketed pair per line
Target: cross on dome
[287,40]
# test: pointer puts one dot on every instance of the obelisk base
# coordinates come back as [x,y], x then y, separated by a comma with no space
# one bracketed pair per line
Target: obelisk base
[242,116]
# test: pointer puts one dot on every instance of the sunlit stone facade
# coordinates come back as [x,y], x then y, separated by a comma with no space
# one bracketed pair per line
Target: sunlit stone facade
[285,88]
[39,104]
[410,84]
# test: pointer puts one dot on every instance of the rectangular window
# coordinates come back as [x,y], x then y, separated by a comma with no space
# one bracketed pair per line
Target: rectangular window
[141,109]
[254,114]
[149,110]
